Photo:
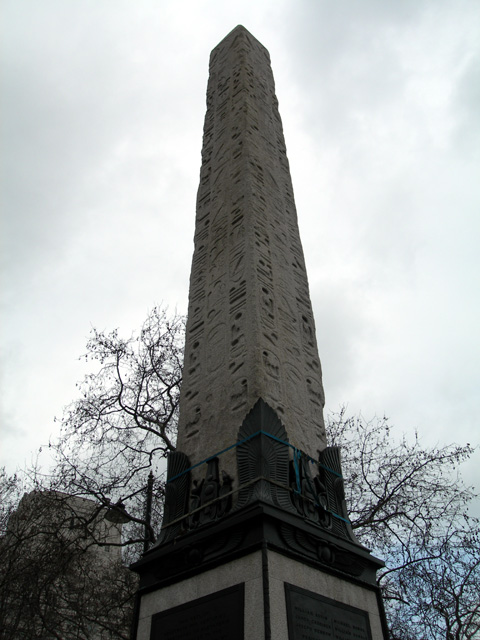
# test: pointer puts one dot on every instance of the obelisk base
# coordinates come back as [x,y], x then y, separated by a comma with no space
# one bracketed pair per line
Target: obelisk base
[249,578]
[260,597]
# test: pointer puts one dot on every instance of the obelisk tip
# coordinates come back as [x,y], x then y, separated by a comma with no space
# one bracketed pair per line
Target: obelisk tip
[239,30]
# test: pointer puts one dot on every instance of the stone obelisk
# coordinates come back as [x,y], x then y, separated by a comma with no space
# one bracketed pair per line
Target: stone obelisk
[255,542]
[250,331]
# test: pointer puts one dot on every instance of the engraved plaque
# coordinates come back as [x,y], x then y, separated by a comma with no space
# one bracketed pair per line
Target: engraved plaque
[218,616]
[314,617]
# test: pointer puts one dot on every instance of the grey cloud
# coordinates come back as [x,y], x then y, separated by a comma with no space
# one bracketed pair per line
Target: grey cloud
[105,105]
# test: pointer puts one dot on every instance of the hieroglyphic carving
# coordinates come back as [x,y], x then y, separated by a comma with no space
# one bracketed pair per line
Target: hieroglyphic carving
[250,329]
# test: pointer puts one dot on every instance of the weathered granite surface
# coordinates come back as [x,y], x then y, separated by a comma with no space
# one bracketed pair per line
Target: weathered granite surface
[250,330]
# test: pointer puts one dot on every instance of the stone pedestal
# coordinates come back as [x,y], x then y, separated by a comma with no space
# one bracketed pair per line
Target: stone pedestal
[261,588]
[274,559]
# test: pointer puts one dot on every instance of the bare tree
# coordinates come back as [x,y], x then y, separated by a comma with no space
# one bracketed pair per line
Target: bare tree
[443,590]
[124,423]
[408,503]
[59,576]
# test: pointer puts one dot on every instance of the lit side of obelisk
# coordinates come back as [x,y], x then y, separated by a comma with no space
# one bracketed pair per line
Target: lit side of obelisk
[250,330]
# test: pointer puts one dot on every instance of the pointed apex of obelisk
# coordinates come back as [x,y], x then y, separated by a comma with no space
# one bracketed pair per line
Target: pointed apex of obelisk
[238,32]
[238,29]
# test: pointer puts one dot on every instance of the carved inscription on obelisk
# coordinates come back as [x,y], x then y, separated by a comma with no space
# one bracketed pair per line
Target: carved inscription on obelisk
[250,330]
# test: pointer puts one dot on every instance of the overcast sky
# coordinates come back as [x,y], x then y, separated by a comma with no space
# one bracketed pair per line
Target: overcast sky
[102,113]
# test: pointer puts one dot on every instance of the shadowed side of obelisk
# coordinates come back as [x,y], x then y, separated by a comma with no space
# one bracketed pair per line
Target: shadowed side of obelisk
[250,330]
